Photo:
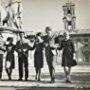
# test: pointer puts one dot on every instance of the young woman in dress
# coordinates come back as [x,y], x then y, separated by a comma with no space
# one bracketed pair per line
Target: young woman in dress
[10,62]
[68,55]
[38,56]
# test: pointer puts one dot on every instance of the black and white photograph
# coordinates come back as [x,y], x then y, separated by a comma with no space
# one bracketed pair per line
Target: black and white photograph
[44,44]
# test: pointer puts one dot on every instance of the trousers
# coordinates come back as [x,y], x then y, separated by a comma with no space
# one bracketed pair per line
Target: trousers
[23,64]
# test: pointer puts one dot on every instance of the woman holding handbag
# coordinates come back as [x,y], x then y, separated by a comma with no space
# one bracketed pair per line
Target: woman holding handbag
[68,55]
[38,55]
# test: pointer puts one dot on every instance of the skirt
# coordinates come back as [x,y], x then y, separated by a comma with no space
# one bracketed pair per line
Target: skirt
[10,62]
[38,59]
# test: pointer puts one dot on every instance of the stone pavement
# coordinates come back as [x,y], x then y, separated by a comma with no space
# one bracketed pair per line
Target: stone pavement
[80,79]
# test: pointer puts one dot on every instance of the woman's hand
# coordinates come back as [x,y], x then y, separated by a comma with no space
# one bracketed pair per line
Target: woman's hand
[74,56]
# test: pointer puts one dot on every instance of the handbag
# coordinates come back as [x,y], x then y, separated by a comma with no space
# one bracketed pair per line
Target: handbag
[74,62]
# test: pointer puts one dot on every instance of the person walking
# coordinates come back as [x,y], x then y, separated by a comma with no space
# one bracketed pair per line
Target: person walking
[38,55]
[10,60]
[68,55]
[22,49]
[49,46]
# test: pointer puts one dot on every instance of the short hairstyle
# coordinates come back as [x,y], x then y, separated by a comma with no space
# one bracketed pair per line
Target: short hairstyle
[9,39]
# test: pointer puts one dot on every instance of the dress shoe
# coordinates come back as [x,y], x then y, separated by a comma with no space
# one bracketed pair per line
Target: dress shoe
[20,79]
[39,79]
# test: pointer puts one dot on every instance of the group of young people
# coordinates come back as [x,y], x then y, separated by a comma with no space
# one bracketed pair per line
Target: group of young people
[46,42]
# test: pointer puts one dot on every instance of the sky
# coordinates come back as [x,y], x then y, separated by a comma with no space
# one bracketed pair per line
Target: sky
[37,14]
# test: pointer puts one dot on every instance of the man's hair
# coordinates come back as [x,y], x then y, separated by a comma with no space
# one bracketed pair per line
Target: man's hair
[66,32]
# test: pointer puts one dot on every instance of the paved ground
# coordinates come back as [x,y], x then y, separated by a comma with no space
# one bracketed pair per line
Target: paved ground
[80,80]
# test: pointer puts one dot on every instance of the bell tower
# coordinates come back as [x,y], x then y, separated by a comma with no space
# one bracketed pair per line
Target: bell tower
[69,16]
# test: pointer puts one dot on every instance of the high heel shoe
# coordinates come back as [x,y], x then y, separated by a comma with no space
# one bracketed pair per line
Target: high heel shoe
[52,80]
[68,81]
[9,78]
[39,79]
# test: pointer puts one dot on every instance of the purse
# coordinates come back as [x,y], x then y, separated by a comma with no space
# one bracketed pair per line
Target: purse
[74,62]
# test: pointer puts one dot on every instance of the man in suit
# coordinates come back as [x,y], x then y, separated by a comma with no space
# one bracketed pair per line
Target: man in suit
[22,48]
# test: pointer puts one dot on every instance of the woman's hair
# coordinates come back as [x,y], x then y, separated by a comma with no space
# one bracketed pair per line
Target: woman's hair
[47,29]
[9,39]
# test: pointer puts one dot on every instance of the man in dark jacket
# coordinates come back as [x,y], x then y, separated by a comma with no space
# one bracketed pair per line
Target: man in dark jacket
[22,49]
